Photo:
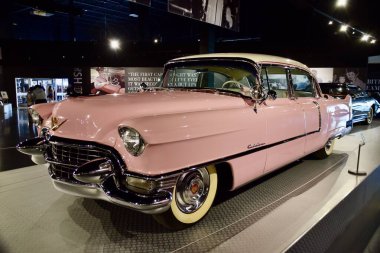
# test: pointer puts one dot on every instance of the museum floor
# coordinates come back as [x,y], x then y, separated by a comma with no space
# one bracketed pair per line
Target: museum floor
[308,206]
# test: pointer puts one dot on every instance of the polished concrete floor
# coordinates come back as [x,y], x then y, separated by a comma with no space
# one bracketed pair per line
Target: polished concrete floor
[14,127]
[272,214]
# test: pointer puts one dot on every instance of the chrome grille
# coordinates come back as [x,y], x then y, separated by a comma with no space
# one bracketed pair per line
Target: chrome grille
[65,158]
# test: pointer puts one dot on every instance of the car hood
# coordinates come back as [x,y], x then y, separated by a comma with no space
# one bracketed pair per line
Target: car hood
[97,118]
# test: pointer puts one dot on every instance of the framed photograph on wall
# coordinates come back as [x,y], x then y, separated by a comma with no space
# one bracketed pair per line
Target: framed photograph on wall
[4,95]
[224,13]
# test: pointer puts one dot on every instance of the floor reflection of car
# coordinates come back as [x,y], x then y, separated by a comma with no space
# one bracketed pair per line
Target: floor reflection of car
[364,107]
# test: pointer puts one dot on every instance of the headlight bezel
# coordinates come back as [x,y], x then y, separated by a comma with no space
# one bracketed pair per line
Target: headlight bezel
[133,134]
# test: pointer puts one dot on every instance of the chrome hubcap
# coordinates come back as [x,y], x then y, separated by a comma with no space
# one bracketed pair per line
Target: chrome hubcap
[328,145]
[192,189]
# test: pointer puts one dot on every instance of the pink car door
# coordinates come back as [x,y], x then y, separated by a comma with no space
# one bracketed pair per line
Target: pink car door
[285,120]
[306,95]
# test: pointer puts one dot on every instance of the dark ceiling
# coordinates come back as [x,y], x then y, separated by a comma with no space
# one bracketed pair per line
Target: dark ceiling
[291,28]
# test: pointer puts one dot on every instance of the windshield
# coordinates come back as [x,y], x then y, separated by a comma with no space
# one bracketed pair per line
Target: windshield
[225,76]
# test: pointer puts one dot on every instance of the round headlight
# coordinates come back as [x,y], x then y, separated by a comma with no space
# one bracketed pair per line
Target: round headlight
[132,140]
[36,119]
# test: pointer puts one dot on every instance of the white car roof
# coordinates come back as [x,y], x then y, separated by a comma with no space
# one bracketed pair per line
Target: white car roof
[258,58]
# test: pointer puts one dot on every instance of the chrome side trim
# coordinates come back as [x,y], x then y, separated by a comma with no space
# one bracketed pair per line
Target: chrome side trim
[320,115]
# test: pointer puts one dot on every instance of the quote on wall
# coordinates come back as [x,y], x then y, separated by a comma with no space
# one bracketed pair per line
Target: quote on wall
[136,76]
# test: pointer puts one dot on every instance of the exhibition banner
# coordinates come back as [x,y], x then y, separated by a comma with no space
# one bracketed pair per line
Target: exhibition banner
[373,81]
[224,13]
[323,75]
[135,77]
[78,82]
[144,2]
[356,76]
[107,80]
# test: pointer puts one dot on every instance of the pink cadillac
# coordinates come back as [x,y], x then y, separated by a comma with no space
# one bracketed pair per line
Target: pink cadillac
[214,121]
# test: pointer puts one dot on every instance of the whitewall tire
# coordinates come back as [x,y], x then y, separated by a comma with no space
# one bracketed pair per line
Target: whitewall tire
[193,196]
[326,151]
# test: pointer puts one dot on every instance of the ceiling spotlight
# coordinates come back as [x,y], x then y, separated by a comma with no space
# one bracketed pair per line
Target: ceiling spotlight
[155,41]
[365,37]
[373,41]
[41,13]
[134,15]
[343,28]
[331,22]
[114,44]
[353,32]
[341,3]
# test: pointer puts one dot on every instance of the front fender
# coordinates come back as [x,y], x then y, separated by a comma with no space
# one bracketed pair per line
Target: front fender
[44,110]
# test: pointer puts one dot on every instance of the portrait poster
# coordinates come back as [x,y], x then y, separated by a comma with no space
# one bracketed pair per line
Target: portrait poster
[107,80]
[136,76]
[4,95]
[223,13]
[349,75]
[144,2]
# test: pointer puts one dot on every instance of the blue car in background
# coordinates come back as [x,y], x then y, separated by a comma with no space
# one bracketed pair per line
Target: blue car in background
[364,107]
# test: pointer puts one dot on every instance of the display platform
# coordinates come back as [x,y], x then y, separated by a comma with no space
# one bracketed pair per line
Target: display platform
[289,210]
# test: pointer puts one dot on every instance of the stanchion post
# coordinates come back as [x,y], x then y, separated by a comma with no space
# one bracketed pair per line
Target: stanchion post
[357,172]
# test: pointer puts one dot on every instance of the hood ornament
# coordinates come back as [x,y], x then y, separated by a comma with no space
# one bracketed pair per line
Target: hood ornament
[55,124]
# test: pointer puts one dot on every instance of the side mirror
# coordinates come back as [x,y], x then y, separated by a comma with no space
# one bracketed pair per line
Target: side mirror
[258,94]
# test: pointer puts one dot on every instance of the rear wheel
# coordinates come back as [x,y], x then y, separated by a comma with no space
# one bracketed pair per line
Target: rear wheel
[326,150]
[193,196]
[369,118]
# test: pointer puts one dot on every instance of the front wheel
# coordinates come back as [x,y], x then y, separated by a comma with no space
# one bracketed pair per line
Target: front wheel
[326,150]
[193,196]
[369,118]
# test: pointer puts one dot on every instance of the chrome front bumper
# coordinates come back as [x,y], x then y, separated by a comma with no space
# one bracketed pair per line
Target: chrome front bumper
[93,179]
[108,192]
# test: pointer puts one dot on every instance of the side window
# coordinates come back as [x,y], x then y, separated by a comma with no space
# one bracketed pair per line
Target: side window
[277,81]
[302,83]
